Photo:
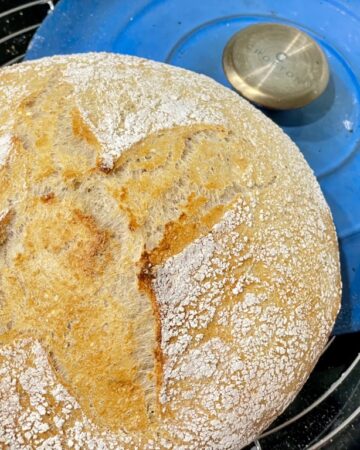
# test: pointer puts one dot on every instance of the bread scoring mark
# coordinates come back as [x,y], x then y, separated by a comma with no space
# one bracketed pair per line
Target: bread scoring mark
[145,281]
[177,237]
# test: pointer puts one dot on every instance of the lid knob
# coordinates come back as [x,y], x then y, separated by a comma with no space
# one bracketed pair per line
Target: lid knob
[276,66]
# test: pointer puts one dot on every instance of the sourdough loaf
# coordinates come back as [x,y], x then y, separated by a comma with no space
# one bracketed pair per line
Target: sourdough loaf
[169,268]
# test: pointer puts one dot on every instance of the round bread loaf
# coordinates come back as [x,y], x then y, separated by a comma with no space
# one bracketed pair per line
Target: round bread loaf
[169,269]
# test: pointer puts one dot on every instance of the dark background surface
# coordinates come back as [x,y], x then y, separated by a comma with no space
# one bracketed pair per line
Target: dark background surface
[17,26]
[24,22]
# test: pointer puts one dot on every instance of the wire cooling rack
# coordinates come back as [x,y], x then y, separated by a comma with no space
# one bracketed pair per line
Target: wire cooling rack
[18,22]
[326,413]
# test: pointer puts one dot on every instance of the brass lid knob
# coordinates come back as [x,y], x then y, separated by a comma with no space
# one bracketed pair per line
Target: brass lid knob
[276,66]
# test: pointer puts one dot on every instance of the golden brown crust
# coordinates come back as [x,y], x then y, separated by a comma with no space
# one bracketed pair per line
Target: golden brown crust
[168,266]
[5,220]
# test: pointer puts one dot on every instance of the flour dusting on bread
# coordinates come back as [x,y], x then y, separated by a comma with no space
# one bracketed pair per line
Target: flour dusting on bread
[169,270]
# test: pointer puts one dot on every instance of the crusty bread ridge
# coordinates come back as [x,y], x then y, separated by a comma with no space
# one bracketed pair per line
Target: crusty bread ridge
[169,269]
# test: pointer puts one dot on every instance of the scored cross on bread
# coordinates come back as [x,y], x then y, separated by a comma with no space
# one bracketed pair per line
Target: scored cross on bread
[168,266]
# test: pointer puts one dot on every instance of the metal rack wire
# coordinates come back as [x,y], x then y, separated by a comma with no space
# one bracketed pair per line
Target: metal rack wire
[19,21]
[326,414]
[339,400]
